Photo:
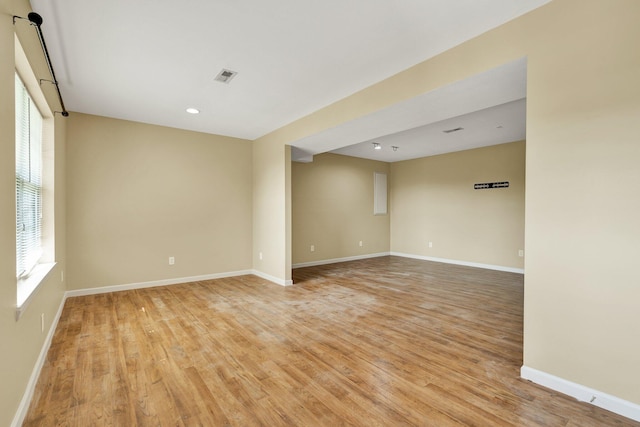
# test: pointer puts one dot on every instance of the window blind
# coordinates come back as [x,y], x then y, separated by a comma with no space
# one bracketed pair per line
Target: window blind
[28,181]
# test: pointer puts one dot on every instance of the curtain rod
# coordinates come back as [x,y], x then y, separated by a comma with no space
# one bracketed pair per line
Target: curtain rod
[36,21]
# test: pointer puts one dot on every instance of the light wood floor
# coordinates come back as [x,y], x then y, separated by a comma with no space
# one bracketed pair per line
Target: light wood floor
[380,342]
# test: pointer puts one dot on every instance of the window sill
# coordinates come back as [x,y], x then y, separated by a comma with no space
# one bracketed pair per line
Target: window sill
[28,286]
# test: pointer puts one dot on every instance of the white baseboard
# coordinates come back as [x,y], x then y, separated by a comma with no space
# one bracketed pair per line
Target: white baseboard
[271,278]
[335,260]
[457,262]
[154,283]
[23,407]
[582,393]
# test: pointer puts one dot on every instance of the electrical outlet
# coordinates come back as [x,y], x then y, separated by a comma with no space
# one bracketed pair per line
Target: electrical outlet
[360,243]
[260,256]
[312,248]
[172,260]
[430,244]
[42,322]
[520,253]
[62,275]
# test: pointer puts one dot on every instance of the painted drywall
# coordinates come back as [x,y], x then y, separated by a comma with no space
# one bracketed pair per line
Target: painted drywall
[582,297]
[271,211]
[138,194]
[433,200]
[332,209]
[582,288]
[22,339]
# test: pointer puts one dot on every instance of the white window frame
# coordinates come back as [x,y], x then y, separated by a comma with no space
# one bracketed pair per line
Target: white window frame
[28,284]
[28,181]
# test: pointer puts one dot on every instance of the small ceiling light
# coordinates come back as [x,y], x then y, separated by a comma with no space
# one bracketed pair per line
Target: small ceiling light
[192,110]
[376,146]
[394,148]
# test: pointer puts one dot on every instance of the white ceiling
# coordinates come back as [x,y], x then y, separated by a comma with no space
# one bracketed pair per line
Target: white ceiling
[490,106]
[148,60]
[491,126]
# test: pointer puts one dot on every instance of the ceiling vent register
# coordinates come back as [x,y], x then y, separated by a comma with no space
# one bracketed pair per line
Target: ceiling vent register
[225,76]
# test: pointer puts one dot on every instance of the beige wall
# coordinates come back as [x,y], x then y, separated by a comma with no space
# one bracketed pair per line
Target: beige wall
[433,200]
[582,286]
[271,211]
[22,339]
[581,230]
[138,194]
[332,209]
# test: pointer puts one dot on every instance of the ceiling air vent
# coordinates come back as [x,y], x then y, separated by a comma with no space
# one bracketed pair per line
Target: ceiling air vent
[452,130]
[225,76]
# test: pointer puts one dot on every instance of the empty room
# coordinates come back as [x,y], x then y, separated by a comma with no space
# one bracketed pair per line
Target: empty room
[320,213]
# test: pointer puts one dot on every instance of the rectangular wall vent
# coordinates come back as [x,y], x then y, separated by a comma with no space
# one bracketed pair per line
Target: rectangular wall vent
[225,76]
[486,185]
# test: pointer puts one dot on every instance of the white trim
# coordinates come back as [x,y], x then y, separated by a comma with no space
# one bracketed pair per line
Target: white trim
[335,260]
[23,407]
[582,393]
[457,262]
[271,278]
[28,287]
[154,283]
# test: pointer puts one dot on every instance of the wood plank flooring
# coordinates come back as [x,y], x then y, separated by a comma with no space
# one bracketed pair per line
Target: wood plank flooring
[379,342]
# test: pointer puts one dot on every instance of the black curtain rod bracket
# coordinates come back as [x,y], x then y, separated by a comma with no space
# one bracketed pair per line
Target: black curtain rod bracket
[36,21]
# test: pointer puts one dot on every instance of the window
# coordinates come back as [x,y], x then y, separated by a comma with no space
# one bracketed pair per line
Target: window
[35,184]
[28,181]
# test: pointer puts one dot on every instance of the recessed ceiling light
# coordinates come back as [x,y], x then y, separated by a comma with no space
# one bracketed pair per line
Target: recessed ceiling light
[192,110]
